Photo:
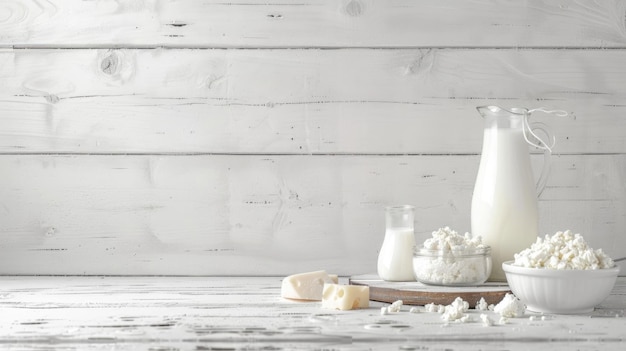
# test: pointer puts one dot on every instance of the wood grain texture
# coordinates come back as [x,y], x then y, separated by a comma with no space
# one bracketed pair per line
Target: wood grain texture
[249,214]
[301,101]
[242,138]
[416,293]
[312,23]
[124,313]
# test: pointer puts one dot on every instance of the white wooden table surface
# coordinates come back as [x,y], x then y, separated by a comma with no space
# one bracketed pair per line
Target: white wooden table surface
[202,313]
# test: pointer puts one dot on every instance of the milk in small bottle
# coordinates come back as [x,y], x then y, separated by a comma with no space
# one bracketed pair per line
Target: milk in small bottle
[395,260]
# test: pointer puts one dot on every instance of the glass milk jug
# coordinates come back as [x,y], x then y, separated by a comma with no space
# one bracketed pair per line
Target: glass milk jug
[504,202]
[395,260]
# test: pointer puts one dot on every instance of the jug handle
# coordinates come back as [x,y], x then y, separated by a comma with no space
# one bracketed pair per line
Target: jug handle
[543,177]
[547,151]
[540,143]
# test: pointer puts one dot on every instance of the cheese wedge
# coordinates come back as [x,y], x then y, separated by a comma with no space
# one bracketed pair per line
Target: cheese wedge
[345,297]
[306,286]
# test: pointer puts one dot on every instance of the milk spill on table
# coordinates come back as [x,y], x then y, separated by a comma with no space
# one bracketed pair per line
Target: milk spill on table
[395,261]
[504,203]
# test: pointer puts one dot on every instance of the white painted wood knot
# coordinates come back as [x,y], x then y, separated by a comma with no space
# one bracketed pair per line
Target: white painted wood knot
[355,8]
[420,64]
[116,64]
[52,98]
[109,64]
[212,81]
[50,232]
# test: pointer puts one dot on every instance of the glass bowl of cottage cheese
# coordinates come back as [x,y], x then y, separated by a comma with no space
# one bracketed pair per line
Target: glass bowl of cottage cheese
[561,274]
[451,259]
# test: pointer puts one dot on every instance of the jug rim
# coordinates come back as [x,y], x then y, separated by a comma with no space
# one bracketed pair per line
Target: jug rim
[520,111]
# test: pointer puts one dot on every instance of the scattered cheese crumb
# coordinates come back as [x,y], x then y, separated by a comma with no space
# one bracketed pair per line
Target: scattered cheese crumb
[510,306]
[481,305]
[456,311]
[466,318]
[396,306]
[563,250]
[414,310]
[487,322]
[393,308]
[433,308]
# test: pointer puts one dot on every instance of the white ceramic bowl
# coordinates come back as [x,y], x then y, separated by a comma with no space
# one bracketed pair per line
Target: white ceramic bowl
[563,291]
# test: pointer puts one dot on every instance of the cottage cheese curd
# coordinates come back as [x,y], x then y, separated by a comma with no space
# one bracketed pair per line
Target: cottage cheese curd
[563,250]
[482,305]
[446,239]
[448,258]
[487,321]
[434,308]
[510,307]
[393,308]
[456,311]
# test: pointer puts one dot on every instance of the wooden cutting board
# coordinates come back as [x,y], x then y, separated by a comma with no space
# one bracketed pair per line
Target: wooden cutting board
[415,293]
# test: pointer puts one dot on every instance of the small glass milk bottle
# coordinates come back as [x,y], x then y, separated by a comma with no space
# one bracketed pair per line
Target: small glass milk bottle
[395,260]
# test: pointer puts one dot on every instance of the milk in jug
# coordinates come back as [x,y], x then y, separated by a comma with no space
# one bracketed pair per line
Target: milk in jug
[504,203]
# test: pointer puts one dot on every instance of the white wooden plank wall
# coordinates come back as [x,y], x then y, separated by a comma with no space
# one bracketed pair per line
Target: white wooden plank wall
[236,138]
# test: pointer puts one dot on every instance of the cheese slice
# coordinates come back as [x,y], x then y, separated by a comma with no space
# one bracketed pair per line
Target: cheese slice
[345,297]
[306,286]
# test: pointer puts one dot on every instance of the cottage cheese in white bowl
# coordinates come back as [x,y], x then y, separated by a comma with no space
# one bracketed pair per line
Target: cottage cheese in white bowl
[561,274]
